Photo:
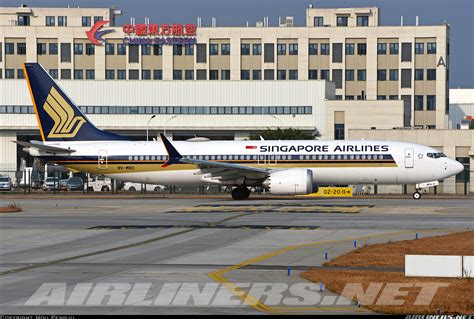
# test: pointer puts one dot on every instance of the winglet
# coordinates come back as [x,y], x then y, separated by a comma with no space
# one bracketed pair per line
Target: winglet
[173,155]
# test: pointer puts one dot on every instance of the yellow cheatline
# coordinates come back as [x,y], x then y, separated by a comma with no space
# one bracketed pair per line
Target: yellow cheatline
[254,303]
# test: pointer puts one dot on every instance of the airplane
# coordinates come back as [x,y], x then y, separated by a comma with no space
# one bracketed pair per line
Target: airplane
[279,167]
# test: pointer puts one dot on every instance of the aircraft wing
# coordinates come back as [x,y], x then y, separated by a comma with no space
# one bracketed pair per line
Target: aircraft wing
[214,170]
[41,147]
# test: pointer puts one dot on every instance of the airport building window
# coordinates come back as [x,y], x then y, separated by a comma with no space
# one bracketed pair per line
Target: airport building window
[281,74]
[177,75]
[213,49]
[431,48]
[406,78]
[90,49]
[65,52]
[324,48]
[98,18]
[157,49]
[256,49]
[313,74]
[325,75]
[362,21]
[90,74]
[54,73]
[225,49]
[393,75]
[158,74]
[146,74]
[213,74]
[381,97]
[464,176]
[361,75]
[189,49]
[245,74]
[381,75]
[337,78]
[382,48]
[269,55]
[350,48]
[431,102]
[9,73]
[9,48]
[201,74]
[177,49]
[21,48]
[78,48]
[293,48]
[86,21]
[225,74]
[244,49]
[65,74]
[146,49]
[341,21]
[349,75]
[419,48]
[418,102]
[20,74]
[350,97]
[393,48]
[50,21]
[393,97]
[431,74]
[133,56]
[338,131]
[23,20]
[313,49]
[281,49]
[201,54]
[269,74]
[78,74]
[189,74]
[337,52]
[53,49]
[318,21]
[133,74]
[41,48]
[257,74]
[121,49]
[361,48]
[62,21]
[419,74]
[121,74]
[110,74]
[293,74]
[406,52]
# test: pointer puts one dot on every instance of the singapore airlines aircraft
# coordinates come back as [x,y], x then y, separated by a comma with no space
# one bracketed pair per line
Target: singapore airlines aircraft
[280,167]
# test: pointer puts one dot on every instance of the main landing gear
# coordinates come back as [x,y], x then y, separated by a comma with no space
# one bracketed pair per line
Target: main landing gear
[416,195]
[240,192]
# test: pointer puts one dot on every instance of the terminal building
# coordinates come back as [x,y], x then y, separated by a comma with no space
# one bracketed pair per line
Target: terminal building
[343,75]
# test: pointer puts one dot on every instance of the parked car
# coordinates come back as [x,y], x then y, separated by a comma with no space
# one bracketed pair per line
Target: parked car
[63,185]
[5,183]
[134,187]
[51,184]
[75,184]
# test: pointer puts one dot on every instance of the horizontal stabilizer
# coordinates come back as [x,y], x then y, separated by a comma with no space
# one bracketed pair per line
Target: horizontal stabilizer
[46,148]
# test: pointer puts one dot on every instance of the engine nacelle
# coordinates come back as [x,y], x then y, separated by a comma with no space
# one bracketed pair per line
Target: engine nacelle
[290,181]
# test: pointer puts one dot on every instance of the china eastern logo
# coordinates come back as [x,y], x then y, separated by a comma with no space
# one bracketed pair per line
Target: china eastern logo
[95,34]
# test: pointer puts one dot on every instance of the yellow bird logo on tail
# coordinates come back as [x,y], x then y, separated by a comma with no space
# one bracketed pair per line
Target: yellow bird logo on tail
[66,125]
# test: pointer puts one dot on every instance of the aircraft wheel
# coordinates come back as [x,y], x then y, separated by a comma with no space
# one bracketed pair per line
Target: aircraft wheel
[132,189]
[416,195]
[240,193]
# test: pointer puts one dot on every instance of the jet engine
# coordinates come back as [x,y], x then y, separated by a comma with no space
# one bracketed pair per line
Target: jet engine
[290,181]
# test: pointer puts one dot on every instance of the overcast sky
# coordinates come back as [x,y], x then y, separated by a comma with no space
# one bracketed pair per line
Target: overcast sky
[458,13]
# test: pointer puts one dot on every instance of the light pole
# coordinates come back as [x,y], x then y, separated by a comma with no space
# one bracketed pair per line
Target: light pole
[148,123]
[166,123]
[276,118]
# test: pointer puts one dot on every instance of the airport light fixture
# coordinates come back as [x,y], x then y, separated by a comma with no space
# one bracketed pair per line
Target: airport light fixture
[148,123]
[164,129]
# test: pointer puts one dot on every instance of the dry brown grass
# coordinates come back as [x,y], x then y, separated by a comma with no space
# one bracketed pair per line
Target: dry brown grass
[393,254]
[454,299]
[11,208]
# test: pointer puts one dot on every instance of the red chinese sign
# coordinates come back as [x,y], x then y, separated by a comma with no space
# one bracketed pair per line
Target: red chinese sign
[177,30]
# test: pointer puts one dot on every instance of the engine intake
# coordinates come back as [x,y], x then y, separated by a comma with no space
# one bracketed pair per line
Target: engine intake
[292,181]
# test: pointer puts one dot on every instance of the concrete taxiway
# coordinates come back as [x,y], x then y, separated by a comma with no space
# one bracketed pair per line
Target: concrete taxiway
[208,240]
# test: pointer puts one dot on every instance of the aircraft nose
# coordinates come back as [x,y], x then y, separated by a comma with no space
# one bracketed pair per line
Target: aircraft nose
[456,167]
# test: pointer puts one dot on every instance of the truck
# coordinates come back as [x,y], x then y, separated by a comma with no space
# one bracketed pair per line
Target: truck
[98,183]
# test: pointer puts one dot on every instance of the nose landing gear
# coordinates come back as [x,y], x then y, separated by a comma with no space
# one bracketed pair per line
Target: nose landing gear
[416,195]
[240,193]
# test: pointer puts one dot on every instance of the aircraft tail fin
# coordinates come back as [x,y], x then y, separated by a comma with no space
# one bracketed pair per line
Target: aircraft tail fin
[59,119]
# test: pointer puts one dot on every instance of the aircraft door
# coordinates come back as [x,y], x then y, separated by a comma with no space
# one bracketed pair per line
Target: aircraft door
[102,159]
[409,158]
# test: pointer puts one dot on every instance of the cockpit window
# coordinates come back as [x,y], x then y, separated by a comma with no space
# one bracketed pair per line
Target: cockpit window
[436,155]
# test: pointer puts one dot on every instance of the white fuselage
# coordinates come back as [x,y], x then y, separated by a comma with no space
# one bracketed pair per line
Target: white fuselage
[332,162]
